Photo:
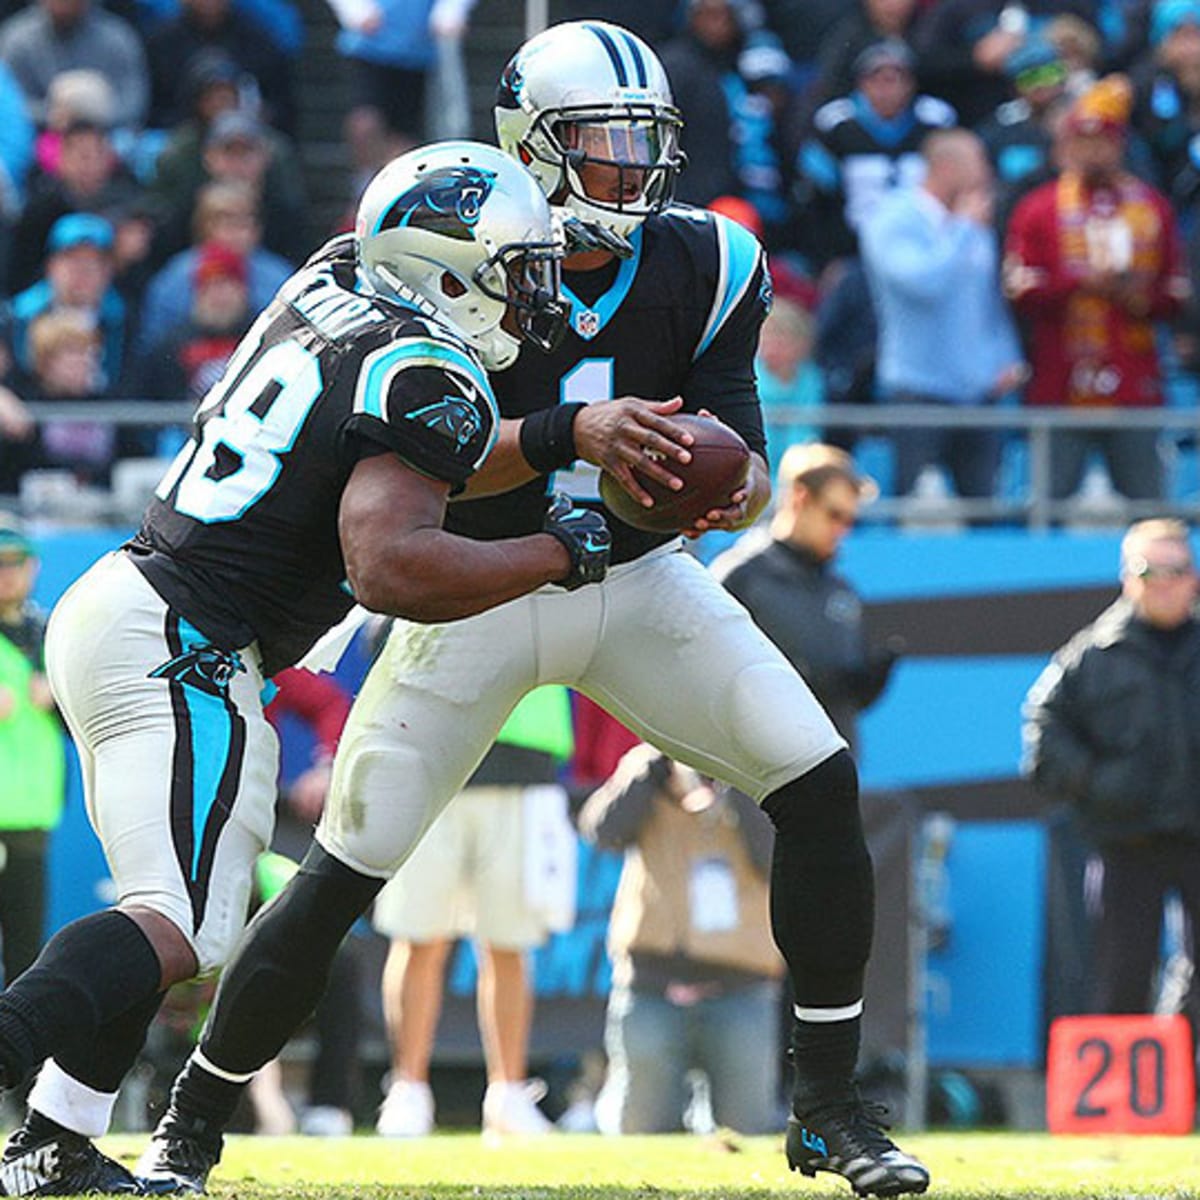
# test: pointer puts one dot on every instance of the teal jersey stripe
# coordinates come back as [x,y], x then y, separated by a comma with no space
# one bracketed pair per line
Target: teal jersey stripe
[413,352]
[211,738]
[739,252]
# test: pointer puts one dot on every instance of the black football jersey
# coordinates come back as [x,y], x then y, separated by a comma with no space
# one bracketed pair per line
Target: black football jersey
[241,537]
[679,318]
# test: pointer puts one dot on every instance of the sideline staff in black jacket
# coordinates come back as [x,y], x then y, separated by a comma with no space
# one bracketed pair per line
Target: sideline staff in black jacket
[1113,726]
[785,577]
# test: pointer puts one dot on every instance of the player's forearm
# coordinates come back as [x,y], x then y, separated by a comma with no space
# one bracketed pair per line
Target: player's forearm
[429,575]
[504,468]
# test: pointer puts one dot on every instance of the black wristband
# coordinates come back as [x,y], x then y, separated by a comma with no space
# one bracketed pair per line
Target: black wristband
[548,438]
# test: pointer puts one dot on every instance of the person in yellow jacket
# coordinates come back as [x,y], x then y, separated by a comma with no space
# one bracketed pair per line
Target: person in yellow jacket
[695,970]
[32,763]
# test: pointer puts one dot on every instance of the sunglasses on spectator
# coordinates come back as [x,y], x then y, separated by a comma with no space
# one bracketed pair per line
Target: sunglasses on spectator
[839,516]
[1141,569]
[1047,75]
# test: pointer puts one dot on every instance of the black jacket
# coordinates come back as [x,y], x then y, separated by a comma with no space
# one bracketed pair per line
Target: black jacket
[815,617]
[1113,726]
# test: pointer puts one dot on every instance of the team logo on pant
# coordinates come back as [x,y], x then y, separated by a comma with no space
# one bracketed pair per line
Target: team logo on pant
[204,667]
[447,201]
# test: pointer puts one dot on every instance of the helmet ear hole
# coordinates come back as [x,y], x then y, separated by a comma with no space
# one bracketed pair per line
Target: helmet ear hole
[452,286]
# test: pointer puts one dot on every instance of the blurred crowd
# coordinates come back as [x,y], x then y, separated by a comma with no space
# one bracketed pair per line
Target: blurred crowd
[966,203]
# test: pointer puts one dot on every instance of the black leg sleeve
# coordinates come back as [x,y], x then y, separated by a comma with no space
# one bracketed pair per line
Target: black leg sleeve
[90,973]
[822,884]
[105,1064]
[281,966]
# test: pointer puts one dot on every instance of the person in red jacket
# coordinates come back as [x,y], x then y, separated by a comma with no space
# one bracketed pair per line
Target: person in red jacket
[1092,261]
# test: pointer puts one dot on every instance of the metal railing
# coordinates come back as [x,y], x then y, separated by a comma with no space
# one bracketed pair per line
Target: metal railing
[1033,506]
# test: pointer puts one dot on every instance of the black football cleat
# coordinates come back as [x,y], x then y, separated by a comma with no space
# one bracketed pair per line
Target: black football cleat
[848,1139]
[60,1163]
[175,1163]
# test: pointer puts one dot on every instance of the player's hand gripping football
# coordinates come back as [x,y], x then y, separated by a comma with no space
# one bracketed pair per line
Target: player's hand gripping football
[586,537]
[738,513]
[621,434]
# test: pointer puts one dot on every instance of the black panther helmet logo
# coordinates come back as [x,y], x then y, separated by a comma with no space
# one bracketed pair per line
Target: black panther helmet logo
[446,201]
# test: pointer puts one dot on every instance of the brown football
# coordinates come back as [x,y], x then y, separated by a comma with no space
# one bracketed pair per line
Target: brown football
[719,466]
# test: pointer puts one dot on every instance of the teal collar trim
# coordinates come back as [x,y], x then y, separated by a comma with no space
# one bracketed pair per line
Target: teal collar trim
[589,319]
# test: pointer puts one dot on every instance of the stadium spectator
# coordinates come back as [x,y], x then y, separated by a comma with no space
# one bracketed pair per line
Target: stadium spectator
[64,350]
[212,84]
[200,28]
[846,341]
[788,377]
[652,20]
[78,276]
[701,63]
[862,146]
[1110,727]
[88,177]
[786,577]
[1092,261]
[1166,99]
[391,47]
[695,973]
[32,764]
[227,214]
[236,147]
[965,45]
[497,866]
[51,36]
[81,96]
[765,132]
[860,26]
[16,158]
[190,356]
[1082,50]
[18,439]
[1019,135]
[945,334]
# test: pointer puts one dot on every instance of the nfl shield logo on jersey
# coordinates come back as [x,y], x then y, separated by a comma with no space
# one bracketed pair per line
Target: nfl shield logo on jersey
[587,323]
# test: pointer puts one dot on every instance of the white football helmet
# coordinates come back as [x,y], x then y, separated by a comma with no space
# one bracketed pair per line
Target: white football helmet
[591,93]
[462,232]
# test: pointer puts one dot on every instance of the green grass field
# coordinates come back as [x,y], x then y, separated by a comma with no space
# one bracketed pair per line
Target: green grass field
[462,1167]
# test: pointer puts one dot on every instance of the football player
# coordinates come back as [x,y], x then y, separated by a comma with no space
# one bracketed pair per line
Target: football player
[355,405]
[587,108]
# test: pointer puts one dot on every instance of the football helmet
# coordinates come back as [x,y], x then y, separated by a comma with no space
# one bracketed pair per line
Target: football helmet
[586,107]
[462,232]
